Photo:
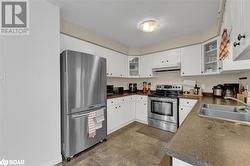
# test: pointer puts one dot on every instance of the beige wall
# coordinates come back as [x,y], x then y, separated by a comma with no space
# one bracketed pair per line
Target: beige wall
[173,77]
[87,35]
[181,41]
[82,33]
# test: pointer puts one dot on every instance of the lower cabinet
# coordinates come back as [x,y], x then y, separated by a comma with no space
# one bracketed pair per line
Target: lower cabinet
[141,112]
[124,110]
[185,107]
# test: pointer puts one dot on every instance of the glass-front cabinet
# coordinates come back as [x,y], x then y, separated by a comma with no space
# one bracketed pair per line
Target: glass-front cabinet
[133,66]
[210,57]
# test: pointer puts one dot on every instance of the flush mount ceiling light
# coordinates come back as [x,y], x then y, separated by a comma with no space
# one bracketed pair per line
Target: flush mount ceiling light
[148,25]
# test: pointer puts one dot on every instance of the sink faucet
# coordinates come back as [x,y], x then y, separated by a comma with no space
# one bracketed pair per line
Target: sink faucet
[232,98]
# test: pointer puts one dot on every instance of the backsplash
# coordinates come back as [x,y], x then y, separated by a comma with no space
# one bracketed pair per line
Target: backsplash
[173,77]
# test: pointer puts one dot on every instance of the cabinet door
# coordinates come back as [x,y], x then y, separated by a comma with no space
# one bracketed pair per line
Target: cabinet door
[146,66]
[177,162]
[245,42]
[116,62]
[210,57]
[191,60]
[166,58]
[141,112]
[112,120]
[183,112]
[133,66]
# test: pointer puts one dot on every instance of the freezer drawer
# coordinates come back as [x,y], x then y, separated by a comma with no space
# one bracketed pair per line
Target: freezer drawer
[76,136]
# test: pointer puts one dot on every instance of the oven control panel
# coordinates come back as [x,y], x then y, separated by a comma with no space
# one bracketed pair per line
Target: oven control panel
[169,87]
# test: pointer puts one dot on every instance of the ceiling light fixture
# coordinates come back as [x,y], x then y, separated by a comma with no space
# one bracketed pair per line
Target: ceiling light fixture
[148,25]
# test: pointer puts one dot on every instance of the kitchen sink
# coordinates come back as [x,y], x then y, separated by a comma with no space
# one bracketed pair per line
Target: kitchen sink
[230,113]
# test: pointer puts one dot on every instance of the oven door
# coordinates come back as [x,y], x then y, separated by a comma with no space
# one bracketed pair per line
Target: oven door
[162,109]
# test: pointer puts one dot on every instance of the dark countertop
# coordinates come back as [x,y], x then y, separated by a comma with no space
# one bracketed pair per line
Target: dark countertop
[126,94]
[209,142]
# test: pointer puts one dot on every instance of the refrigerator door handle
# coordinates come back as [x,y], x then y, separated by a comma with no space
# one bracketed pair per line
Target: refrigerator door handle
[92,107]
[78,116]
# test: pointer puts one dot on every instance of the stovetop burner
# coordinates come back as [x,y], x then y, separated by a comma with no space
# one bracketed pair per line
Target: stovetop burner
[170,91]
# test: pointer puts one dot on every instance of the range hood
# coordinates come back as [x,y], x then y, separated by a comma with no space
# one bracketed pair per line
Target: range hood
[169,67]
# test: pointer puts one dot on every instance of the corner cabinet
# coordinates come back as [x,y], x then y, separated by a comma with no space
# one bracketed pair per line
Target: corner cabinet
[210,57]
[133,66]
[146,66]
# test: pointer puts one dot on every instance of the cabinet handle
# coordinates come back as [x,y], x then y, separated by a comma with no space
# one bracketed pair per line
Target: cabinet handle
[241,37]
[236,44]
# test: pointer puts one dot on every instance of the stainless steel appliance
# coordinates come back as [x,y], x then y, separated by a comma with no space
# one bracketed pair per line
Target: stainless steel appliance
[231,90]
[218,90]
[163,107]
[83,90]
[132,87]
[110,90]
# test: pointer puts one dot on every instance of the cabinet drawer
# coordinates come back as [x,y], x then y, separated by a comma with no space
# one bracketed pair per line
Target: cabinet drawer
[187,102]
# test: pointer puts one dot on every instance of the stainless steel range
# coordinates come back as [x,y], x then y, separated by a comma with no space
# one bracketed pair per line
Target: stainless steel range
[163,107]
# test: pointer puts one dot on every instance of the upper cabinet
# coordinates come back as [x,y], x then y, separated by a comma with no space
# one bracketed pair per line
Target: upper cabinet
[165,58]
[116,62]
[210,57]
[231,22]
[239,17]
[191,60]
[134,66]
[146,66]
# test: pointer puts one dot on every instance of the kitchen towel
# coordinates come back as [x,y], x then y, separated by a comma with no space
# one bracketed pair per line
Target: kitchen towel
[224,46]
[92,124]
[99,118]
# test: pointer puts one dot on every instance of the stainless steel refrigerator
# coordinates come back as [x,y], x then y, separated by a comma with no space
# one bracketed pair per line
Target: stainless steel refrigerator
[83,90]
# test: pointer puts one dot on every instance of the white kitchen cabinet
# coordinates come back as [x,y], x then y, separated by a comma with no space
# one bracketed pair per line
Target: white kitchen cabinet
[165,58]
[191,60]
[240,22]
[133,66]
[210,57]
[116,62]
[177,162]
[229,65]
[71,43]
[124,110]
[146,66]
[141,110]
[185,107]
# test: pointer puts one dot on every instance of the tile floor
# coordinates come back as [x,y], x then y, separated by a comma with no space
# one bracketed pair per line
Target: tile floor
[125,147]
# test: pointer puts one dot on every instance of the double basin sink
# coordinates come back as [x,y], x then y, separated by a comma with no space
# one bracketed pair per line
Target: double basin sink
[239,114]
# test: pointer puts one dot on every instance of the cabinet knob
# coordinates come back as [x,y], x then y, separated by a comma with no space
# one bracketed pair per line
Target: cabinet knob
[241,37]
[162,61]
[167,60]
[119,106]
[144,103]
[182,72]
[202,72]
[219,68]
[236,44]
[107,73]
[187,102]
[181,108]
